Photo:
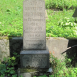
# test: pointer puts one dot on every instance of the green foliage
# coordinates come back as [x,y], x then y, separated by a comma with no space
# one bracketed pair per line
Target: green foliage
[11,17]
[7,66]
[67,23]
[60,4]
[2,69]
[11,23]
[61,24]
[60,68]
[57,64]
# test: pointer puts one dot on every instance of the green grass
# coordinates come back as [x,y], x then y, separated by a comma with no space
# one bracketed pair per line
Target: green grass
[11,17]
[61,4]
[54,27]
[11,20]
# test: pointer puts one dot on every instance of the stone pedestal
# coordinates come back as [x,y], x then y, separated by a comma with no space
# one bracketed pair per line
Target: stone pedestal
[34,58]
[32,72]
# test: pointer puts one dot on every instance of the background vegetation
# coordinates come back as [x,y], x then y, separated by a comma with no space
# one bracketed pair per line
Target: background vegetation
[61,68]
[61,4]
[11,17]
[59,23]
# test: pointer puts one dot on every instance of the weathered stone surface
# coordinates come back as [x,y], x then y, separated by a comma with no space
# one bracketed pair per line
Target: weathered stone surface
[46,16]
[25,75]
[56,46]
[35,58]
[4,49]
[9,45]
[32,71]
[34,29]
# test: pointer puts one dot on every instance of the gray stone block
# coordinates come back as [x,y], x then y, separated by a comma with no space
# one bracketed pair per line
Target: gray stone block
[34,25]
[4,48]
[25,74]
[57,46]
[34,58]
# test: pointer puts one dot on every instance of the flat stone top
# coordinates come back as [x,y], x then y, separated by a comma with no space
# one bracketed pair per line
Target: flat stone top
[35,51]
[34,25]
[56,38]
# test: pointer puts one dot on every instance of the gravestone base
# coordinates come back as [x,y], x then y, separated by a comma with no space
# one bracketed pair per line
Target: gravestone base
[32,72]
[34,58]
[25,74]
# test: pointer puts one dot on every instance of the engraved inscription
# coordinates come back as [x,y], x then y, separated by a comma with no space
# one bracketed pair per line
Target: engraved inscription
[35,60]
[33,8]
[33,29]
[26,60]
[34,24]
[33,44]
[33,35]
[34,14]
[31,19]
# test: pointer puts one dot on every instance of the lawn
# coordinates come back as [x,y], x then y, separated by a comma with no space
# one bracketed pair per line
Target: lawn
[61,24]
[11,20]
[11,17]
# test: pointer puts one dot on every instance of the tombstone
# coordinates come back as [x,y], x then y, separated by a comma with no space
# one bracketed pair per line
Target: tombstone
[34,33]
[35,53]
[75,13]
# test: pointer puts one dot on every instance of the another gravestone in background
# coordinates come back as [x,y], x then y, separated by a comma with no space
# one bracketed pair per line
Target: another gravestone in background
[34,53]
[75,13]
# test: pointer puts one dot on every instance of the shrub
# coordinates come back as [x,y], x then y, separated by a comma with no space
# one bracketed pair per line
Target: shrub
[60,4]
[58,25]
[60,69]
[7,67]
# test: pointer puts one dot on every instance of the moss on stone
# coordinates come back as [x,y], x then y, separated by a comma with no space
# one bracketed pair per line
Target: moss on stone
[22,70]
[5,37]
